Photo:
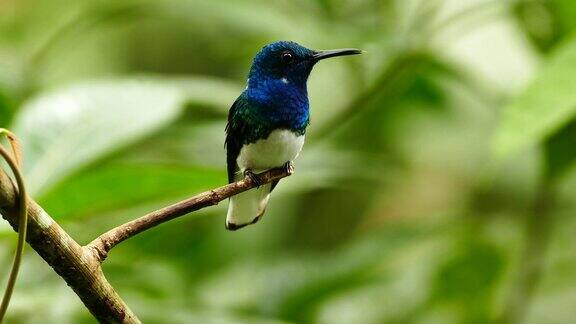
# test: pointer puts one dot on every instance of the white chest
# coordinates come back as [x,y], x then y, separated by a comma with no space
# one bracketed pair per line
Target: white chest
[280,147]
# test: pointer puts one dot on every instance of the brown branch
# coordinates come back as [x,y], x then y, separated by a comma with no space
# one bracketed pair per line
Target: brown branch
[80,266]
[105,242]
[76,265]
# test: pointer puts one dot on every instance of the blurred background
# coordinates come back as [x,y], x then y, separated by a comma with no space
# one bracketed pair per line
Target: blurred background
[436,184]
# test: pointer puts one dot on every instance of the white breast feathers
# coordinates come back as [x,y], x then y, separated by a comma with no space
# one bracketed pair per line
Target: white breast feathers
[280,147]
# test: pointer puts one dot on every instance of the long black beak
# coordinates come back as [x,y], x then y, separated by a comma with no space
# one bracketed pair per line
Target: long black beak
[320,55]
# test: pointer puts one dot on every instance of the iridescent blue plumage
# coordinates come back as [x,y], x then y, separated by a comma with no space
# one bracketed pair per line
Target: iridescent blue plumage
[276,95]
[269,120]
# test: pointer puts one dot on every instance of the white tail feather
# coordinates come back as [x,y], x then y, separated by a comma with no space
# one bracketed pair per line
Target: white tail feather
[245,207]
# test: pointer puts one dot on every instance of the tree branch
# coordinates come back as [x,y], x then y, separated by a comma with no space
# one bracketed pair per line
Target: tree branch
[80,266]
[75,265]
[105,242]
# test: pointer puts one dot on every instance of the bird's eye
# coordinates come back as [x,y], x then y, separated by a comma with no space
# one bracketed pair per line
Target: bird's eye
[287,57]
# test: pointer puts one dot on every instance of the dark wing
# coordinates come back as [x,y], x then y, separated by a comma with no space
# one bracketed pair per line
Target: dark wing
[244,126]
[234,138]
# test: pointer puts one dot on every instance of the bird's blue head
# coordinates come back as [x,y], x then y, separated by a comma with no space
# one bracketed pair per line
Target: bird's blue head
[289,63]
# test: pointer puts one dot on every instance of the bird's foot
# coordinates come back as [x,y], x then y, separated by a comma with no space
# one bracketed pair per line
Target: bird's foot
[289,167]
[256,179]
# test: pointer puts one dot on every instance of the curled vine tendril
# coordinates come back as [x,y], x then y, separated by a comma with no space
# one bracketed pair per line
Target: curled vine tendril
[14,161]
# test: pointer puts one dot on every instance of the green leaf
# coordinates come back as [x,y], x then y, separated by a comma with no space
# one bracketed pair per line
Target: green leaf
[560,153]
[565,11]
[543,108]
[67,129]
[118,185]
[5,110]
[469,278]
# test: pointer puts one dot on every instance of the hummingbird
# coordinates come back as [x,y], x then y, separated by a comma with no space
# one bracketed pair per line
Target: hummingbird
[267,123]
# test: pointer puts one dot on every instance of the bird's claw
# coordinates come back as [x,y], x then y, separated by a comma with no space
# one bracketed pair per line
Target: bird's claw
[289,167]
[256,179]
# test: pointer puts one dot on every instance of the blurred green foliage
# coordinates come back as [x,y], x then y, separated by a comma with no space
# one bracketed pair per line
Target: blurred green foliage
[436,186]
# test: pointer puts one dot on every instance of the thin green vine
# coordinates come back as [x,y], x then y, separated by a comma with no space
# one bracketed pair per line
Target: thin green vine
[14,162]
